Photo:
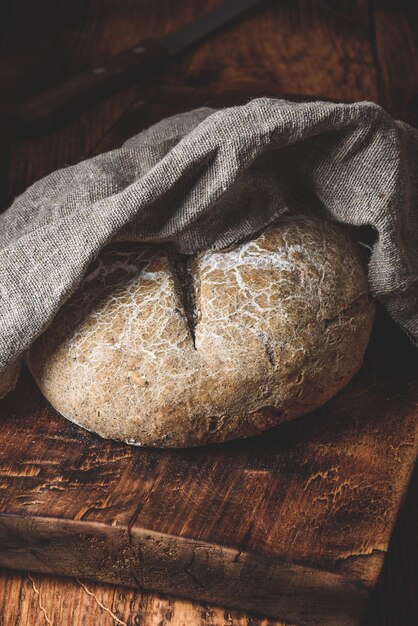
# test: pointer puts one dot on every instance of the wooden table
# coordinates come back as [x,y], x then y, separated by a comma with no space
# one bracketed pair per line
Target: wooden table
[345,51]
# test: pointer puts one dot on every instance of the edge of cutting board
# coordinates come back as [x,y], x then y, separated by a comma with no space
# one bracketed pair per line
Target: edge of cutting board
[155,561]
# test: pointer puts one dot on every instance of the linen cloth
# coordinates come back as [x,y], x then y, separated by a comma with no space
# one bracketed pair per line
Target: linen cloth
[205,179]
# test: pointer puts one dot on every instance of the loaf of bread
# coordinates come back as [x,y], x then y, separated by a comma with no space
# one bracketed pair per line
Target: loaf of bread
[158,349]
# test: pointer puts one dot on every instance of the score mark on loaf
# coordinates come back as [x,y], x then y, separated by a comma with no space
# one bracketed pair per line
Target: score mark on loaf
[153,350]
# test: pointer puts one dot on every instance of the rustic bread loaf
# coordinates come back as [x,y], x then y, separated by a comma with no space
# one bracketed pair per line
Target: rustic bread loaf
[156,349]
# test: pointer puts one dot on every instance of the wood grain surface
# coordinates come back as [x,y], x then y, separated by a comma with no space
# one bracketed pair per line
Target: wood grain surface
[47,601]
[303,512]
[350,51]
[396,47]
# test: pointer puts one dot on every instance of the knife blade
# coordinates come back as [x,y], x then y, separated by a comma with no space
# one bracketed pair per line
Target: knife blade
[60,103]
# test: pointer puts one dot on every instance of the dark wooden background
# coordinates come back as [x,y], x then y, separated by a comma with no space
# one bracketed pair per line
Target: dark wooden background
[348,50]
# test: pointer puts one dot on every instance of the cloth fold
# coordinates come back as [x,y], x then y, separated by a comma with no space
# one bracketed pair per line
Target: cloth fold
[208,178]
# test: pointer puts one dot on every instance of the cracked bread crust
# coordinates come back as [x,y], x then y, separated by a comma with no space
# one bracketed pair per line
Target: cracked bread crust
[273,328]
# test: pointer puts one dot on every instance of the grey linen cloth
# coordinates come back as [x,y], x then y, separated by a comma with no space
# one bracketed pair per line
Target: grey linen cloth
[208,178]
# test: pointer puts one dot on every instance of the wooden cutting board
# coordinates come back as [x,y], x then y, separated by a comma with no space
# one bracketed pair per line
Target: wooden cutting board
[293,524]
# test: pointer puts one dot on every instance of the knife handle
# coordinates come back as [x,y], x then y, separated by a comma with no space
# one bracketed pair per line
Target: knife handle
[58,104]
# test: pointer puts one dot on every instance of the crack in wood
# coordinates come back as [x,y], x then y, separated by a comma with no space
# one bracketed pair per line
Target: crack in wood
[96,506]
[138,508]
[243,543]
[186,569]
[136,577]
[238,556]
